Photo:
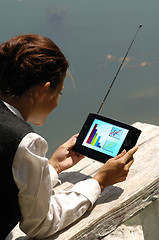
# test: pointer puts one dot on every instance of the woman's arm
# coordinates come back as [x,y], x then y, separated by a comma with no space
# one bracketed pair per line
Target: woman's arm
[42,212]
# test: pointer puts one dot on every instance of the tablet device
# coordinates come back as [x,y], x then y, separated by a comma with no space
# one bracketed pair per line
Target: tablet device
[102,138]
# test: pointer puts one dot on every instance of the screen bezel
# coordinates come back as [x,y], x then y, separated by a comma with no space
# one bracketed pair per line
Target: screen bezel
[129,142]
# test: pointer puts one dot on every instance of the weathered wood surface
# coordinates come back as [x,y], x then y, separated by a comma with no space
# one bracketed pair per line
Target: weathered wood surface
[120,202]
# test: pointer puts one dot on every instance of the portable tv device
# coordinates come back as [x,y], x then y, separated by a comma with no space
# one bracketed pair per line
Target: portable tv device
[101,137]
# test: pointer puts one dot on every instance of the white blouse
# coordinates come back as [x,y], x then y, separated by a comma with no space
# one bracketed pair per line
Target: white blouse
[43,212]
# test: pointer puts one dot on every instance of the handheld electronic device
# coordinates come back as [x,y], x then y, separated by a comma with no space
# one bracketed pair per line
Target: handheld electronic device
[101,137]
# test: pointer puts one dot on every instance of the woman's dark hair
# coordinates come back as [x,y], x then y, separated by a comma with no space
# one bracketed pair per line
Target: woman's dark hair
[27,60]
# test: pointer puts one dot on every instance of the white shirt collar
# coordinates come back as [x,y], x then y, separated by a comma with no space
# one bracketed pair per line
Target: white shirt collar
[13,109]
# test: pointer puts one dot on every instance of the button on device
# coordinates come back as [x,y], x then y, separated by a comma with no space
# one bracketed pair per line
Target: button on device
[127,143]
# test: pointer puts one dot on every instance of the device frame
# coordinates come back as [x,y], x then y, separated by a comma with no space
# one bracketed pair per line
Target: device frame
[129,142]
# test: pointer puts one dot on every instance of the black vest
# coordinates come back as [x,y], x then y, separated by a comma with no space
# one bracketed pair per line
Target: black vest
[12,131]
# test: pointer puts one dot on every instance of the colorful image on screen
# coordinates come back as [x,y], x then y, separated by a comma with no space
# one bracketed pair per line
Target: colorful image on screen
[93,138]
[105,137]
[116,132]
[110,146]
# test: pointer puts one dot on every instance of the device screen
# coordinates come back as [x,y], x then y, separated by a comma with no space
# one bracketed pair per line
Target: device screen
[105,137]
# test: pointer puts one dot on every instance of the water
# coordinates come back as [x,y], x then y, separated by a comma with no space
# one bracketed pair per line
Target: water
[94,36]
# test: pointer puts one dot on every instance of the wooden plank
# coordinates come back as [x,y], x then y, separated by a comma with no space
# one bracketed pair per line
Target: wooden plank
[104,219]
[150,221]
[149,131]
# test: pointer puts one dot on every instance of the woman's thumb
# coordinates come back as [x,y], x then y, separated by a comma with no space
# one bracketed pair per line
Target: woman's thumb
[71,142]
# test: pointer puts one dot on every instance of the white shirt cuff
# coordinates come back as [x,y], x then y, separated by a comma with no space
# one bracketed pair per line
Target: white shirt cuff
[89,188]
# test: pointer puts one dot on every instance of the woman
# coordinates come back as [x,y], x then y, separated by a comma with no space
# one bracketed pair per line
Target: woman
[32,73]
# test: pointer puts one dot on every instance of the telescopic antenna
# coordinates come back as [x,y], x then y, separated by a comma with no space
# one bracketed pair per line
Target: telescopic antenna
[118,70]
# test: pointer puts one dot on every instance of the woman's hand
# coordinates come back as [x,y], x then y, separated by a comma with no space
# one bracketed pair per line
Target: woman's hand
[115,169]
[64,158]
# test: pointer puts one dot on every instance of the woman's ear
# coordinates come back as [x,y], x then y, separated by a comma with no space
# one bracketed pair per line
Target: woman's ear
[41,90]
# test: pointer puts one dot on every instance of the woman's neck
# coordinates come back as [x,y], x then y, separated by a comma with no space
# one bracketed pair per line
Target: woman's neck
[19,103]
